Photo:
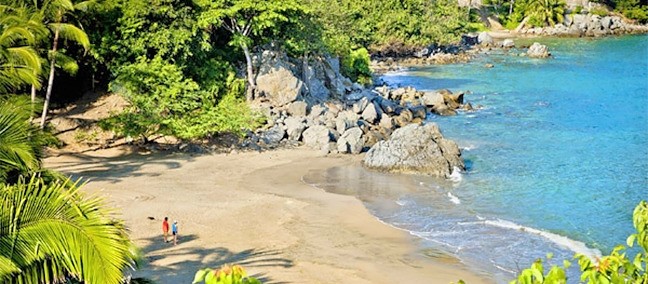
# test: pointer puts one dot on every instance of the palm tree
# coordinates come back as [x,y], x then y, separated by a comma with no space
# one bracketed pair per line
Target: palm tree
[19,62]
[56,14]
[21,143]
[549,12]
[51,233]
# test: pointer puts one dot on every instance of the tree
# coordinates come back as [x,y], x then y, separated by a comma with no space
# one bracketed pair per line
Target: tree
[51,232]
[244,19]
[19,62]
[56,14]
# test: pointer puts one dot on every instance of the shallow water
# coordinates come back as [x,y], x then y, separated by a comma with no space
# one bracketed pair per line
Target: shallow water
[557,157]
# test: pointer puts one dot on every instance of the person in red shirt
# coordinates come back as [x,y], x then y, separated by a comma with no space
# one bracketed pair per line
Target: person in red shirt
[165,228]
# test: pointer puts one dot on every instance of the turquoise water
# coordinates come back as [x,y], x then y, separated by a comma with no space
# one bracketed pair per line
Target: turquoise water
[557,157]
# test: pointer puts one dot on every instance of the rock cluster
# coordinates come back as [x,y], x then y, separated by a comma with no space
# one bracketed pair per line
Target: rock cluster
[537,50]
[348,123]
[588,25]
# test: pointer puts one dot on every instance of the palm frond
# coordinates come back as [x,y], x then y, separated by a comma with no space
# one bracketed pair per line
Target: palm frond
[71,32]
[52,230]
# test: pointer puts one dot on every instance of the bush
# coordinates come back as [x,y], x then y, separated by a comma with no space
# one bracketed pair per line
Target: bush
[164,101]
[599,11]
[225,275]
[355,65]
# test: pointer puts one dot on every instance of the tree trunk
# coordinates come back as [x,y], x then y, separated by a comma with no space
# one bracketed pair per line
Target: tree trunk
[250,73]
[511,7]
[33,103]
[50,81]
[521,25]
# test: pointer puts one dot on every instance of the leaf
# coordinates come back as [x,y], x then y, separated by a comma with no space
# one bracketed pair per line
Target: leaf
[200,276]
[566,263]
[631,239]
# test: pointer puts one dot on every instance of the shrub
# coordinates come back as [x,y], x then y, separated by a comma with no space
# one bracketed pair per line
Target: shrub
[225,275]
[599,11]
[355,65]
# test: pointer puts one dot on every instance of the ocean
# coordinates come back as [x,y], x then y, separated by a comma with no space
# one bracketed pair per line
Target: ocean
[557,157]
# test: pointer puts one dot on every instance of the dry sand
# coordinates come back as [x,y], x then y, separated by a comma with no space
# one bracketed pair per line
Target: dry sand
[253,209]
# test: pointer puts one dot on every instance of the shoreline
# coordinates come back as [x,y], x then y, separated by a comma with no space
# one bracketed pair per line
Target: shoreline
[262,216]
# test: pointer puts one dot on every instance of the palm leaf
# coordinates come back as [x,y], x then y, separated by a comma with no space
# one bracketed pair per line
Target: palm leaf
[71,32]
[53,231]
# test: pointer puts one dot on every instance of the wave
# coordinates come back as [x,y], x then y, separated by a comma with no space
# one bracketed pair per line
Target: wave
[456,176]
[454,199]
[573,245]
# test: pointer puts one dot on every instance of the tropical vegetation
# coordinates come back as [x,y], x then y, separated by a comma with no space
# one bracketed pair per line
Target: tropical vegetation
[227,274]
[51,232]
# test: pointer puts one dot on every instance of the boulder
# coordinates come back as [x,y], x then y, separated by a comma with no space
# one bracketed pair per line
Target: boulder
[370,113]
[485,39]
[387,106]
[418,112]
[351,141]
[298,108]
[274,135]
[404,118]
[416,149]
[360,105]
[316,136]
[433,99]
[280,86]
[508,43]
[537,50]
[386,122]
[294,128]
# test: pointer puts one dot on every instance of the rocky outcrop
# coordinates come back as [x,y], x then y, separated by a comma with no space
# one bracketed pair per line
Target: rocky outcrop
[416,149]
[586,24]
[537,50]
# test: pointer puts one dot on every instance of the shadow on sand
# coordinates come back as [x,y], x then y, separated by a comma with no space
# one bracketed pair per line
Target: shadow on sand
[200,258]
[114,169]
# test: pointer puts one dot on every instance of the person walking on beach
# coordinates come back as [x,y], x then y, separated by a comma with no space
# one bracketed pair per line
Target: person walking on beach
[165,228]
[174,231]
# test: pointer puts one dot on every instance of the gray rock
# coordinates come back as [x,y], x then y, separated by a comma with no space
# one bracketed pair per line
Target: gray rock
[416,149]
[280,86]
[370,113]
[387,106]
[433,99]
[274,135]
[508,43]
[317,111]
[298,108]
[360,105]
[351,141]
[294,128]
[537,50]
[387,122]
[418,112]
[404,118]
[484,38]
[316,136]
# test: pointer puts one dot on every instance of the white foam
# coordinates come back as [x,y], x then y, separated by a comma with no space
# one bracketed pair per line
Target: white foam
[469,147]
[401,202]
[573,245]
[454,199]
[456,175]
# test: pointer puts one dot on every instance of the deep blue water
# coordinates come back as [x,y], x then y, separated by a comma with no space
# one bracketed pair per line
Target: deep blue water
[557,156]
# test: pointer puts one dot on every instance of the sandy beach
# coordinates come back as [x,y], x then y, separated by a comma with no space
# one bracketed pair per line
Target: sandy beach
[253,209]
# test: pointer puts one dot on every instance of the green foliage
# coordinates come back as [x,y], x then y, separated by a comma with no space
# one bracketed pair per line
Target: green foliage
[633,9]
[51,232]
[164,101]
[599,11]
[19,61]
[225,275]
[617,267]
[21,144]
[388,25]
[356,66]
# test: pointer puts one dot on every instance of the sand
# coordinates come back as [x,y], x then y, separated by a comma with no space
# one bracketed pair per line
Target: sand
[253,209]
